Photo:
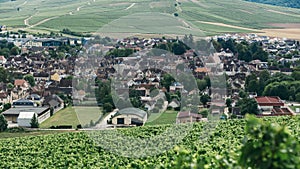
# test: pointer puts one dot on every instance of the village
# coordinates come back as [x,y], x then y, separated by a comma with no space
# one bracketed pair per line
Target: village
[42,76]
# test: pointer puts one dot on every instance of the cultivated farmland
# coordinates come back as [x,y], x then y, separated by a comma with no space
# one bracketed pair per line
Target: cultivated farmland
[196,17]
[78,150]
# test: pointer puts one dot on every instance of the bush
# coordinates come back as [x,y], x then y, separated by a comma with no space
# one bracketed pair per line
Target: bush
[3,123]
[51,111]
[79,126]
[107,107]
[16,130]
[269,146]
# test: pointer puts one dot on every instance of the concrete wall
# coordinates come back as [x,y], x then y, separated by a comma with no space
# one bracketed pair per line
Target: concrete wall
[44,117]
[127,119]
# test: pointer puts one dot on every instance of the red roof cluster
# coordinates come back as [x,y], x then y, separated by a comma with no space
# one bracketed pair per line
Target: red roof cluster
[269,101]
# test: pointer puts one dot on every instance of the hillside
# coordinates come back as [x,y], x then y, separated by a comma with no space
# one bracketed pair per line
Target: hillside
[285,3]
[199,17]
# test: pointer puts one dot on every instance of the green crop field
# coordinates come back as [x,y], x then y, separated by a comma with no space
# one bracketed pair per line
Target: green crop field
[73,116]
[145,16]
[78,150]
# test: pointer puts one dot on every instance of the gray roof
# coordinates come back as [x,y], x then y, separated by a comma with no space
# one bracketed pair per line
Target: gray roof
[53,103]
[17,110]
[133,111]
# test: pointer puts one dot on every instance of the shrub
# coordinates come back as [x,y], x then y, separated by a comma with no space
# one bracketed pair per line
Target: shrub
[34,122]
[3,123]
[269,146]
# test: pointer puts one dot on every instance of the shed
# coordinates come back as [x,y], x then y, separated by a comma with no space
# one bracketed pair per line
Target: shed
[24,118]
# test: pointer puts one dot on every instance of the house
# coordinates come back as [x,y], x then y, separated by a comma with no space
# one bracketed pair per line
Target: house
[23,103]
[174,104]
[176,86]
[2,60]
[188,117]
[4,97]
[130,117]
[53,101]
[55,77]
[12,114]
[21,83]
[201,72]
[42,76]
[267,103]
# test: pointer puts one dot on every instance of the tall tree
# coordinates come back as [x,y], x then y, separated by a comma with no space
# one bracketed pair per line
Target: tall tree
[3,123]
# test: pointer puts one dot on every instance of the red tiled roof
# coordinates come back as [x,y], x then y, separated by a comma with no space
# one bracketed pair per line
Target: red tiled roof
[201,70]
[281,111]
[19,82]
[269,101]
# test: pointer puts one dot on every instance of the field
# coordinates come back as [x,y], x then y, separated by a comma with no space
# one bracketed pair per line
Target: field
[78,150]
[73,116]
[198,17]
[168,117]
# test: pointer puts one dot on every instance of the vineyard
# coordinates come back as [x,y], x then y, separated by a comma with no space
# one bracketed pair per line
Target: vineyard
[77,150]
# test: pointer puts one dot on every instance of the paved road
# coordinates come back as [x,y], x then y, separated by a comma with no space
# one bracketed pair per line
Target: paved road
[103,123]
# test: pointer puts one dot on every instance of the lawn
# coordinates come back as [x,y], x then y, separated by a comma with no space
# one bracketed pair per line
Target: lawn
[73,116]
[65,116]
[168,117]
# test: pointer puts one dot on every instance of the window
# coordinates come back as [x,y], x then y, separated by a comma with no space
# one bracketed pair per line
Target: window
[120,120]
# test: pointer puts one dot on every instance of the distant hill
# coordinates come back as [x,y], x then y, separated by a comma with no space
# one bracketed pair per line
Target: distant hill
[285,3]
[197,17]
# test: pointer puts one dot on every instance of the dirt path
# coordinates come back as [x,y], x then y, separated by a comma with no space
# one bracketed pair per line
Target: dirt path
[103,123]
[24,3]
[282,13]
[132,5]
[26,21]
[229,26]
[43,21]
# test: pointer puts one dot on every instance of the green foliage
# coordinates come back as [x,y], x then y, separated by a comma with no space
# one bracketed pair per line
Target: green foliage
[221,148]
[248,106]
[228,102]
[269,146]
[14,51]
[204,113]
[167,81]
[30,79]
[34,122]
[107,107]
[202,84]
[51,111]
[285,3]
[6,106]
[120,52]
[6,48]
[3,123]
[204,99]
[258,83]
